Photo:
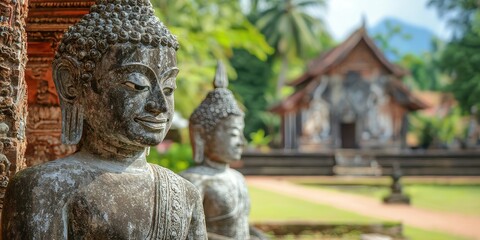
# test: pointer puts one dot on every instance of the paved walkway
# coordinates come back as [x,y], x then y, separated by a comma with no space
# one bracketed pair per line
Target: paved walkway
[458,224]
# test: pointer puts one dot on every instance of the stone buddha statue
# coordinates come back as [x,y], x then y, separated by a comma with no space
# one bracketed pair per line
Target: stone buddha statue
[216,134]
[115,74]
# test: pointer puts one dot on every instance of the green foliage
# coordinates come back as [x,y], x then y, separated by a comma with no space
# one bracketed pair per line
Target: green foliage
[252,88]
[291,29]
[426,74]
[461,57]
[207,30]
[434,131]
[462,15]
[259,140]
[383,40]
[424,70]
[177,158]
[461,60]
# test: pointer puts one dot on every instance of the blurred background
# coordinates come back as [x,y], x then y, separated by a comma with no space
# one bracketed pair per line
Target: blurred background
[349,104]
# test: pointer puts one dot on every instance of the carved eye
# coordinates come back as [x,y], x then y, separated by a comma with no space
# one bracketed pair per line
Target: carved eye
[168,91]
[135,86]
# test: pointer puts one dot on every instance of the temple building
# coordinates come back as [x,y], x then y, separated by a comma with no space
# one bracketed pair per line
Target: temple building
[351,97]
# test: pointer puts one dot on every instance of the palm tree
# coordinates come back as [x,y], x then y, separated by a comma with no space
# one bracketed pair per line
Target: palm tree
[290,28]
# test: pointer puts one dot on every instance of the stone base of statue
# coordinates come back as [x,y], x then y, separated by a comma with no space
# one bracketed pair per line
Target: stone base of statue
[397,198]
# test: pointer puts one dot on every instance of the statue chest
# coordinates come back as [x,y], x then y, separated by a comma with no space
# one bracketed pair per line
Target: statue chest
[113,206]
[226,197]
[227,206]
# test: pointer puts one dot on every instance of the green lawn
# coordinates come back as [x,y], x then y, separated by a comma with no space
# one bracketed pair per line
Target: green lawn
[420,234]
[457,199]
[462,199]
[270,206]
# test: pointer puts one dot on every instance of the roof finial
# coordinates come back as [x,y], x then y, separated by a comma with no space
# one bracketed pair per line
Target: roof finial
[364,21]
[221,80]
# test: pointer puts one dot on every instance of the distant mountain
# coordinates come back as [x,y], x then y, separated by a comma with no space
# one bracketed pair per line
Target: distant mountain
[420,40]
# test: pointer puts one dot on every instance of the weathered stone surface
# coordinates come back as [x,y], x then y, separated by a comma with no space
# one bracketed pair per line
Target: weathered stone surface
[216,132]
[115,75]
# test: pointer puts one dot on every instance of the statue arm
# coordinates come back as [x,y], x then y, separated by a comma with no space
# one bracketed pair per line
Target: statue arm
[197,229]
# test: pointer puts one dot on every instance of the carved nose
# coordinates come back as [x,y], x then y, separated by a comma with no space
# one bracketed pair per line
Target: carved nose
[156,107]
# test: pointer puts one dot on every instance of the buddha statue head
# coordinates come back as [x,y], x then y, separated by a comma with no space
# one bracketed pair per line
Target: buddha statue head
[216,125]
[115,74]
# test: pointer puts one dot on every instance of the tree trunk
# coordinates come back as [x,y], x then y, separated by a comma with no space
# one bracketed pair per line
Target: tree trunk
[13,90]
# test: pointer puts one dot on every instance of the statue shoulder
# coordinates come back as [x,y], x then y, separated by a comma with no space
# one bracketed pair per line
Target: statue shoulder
[55,172]
[197,173]
[237,174]
[36,196]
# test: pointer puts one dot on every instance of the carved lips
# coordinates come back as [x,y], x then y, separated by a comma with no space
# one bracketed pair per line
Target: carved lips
[154,123]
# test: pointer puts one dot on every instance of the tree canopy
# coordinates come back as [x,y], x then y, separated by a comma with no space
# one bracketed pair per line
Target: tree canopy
[461,56]
[290,27]
[208,30]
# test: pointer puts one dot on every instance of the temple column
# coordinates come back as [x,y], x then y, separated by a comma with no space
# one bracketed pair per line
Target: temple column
[47,20]
[44,121]
[13,89]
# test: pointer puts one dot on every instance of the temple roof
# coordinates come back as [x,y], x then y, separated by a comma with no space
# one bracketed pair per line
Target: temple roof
[306,83]
[335,56]
[395,88]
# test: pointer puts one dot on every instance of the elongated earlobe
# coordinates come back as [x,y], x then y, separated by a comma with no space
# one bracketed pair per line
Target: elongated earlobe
[198,145]
[66,78]
[72,124]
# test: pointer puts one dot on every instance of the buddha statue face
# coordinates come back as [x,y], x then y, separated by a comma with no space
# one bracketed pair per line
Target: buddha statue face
[216,125]
[115,73]
[226,143]
[132,98]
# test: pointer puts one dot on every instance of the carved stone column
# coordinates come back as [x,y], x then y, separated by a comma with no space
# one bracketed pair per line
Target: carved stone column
[46,23]
[13,90]
[44,115]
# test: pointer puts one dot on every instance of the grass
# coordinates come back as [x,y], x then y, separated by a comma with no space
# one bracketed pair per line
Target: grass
[463,199]
[269,206]
[457,199]
[421,234]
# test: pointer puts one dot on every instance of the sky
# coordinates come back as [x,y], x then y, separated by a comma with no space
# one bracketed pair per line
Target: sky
[344,16]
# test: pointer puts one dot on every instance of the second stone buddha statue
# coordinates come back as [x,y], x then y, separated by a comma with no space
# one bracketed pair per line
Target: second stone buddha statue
[115,75]
[216,133]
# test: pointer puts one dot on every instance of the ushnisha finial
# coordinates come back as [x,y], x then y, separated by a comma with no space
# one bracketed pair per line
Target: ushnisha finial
[217,105]
[221,79]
